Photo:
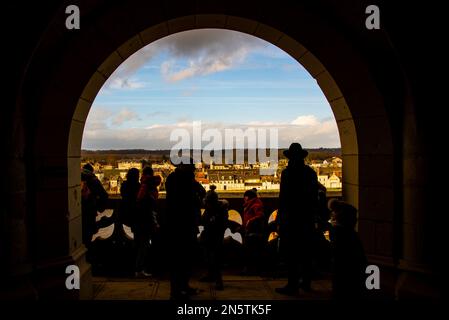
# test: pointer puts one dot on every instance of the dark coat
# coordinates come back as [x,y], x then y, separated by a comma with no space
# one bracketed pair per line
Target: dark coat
[146,223]
[214,220]
[128,206]
[253,216]
[93,200]
[298,201]
[184,199]
[349,263]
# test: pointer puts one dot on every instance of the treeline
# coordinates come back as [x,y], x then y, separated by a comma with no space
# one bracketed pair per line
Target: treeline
[112,156]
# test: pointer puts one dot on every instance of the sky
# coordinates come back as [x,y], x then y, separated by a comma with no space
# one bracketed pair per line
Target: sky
[220,78]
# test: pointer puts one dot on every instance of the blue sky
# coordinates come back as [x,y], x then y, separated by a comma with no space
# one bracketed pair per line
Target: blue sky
[225,79]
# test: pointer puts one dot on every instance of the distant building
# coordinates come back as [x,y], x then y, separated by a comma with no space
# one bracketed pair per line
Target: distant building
[334,182]
[226,177]
[162,166]
[330,182]
[219,167]
[126,165]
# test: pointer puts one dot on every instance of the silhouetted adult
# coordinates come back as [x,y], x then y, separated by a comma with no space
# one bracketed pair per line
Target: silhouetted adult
[146,224]
[93,200]
[298,199]
[184,198]
[214,220]
[129,190]
[349,260]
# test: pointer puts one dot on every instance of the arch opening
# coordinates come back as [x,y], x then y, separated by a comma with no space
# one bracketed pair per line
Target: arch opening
[355,101]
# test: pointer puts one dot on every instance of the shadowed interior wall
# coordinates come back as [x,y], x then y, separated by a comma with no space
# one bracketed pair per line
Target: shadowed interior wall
[357,70]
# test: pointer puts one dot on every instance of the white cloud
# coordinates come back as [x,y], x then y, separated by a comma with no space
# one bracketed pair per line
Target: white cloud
[102,119]
[318,133]
[121,78]
[96,119]
[309,120]
[206,51]
[204,63]
[123,116]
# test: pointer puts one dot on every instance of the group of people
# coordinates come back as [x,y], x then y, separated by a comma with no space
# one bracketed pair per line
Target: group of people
[299,200]
[138,210]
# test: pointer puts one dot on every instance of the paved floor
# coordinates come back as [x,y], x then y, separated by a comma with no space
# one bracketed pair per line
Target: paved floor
[235,288]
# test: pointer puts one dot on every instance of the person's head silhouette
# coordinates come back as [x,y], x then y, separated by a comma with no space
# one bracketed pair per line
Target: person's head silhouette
[132,175]
[295,152]
[250,194]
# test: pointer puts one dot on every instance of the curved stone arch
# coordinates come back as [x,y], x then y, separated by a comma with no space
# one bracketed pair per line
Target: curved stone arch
[357,104]
[306,58]
[353,131]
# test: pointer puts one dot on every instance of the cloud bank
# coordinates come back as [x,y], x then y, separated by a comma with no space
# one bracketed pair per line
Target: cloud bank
[203,52]
[103,134]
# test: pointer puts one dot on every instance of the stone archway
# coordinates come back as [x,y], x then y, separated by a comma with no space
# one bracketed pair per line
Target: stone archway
[353,157]
[75,66]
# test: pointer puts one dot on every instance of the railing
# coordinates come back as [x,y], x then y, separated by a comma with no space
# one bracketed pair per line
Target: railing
[112,249]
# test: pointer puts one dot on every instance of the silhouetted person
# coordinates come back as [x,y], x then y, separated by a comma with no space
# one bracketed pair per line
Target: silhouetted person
[129,190]
[184,198]
[298,198]
[93,200]
[349,260]
[214,220]
[321,247]
[146,224]
[252,229]
[323,214]
[253,213]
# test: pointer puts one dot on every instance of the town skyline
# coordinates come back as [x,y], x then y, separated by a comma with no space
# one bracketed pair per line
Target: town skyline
[111,170]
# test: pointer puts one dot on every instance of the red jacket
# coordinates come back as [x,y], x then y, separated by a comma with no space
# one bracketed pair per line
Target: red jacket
[252,209]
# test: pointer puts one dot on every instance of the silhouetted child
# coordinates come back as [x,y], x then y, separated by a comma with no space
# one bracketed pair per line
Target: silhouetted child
[321,246]
[349,261]
[253,230]
[214,220]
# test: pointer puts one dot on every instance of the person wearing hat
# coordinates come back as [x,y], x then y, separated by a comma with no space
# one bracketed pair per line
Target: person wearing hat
[184,198]
[298,200]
